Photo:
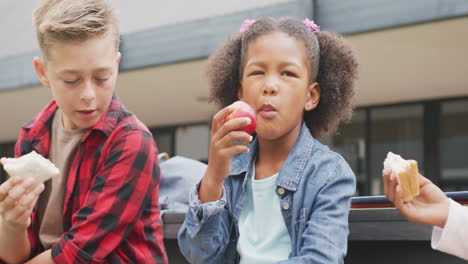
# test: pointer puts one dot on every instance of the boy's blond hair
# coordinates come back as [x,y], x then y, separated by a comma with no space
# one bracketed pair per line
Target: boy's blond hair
[73,20]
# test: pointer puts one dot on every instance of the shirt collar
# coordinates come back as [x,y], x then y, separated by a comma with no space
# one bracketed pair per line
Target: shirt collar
[106,123]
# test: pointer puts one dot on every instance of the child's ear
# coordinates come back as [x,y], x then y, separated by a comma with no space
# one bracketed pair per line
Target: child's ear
[313,96]
[119,56]
[39,66]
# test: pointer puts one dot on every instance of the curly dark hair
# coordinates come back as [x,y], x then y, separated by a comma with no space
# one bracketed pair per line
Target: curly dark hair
[328,52]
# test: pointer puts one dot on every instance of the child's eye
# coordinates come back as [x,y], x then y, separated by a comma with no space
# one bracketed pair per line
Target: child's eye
[71,81]
[289,74]
[256,73]
[102,79]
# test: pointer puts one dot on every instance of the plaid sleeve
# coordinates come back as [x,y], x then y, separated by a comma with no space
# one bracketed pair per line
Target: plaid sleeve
[24,146]
[114,202]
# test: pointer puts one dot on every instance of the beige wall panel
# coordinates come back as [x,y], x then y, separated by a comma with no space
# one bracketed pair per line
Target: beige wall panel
[411,63]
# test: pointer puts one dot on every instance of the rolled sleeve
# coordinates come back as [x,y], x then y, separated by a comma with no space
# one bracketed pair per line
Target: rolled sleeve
[199,213]
[452,239]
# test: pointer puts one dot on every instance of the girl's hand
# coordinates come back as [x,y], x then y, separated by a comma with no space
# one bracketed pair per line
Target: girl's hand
[224,144]
[430,207]
[17,200]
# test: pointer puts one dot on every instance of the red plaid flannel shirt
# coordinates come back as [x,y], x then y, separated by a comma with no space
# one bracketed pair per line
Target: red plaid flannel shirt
[111,208]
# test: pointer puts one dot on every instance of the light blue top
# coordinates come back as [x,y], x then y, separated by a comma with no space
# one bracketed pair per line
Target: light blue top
[263,236]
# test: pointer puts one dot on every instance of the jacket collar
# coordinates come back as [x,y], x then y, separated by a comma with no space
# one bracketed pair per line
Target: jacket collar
[292,169]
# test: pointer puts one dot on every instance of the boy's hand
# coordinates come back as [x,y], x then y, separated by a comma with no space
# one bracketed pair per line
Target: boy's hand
[430,207]
[223,147]
[17,200]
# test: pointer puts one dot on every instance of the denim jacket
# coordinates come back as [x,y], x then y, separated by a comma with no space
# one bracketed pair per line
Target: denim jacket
[315,186]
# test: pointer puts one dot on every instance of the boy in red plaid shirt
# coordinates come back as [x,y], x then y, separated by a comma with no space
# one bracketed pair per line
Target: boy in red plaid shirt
[103,208]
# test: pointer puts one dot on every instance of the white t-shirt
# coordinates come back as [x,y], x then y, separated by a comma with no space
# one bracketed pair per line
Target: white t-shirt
[263,236]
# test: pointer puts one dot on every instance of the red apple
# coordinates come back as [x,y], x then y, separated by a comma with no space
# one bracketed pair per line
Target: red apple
[242,109]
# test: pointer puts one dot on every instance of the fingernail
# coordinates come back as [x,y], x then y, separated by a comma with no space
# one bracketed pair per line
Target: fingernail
[246,120]
[239,142]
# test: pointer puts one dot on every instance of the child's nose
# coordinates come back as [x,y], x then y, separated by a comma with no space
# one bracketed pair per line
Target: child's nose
[88,92]
[270,88]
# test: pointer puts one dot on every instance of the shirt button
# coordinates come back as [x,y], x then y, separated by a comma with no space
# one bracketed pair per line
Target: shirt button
[286,206]
[281,191]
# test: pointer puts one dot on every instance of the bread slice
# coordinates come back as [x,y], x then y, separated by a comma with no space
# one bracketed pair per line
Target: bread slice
[30,165]
[407,174]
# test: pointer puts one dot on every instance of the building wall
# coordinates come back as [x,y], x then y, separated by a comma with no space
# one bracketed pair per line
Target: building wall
[411,63]
[408,55]
[134,17]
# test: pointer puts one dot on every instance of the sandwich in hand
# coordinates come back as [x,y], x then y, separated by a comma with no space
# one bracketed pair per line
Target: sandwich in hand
[407,174]
[30,165]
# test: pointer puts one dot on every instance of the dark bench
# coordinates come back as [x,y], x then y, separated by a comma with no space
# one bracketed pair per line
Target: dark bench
[377,235]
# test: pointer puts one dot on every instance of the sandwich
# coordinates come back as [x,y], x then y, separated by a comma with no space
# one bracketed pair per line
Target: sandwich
[407,174]
[30,165]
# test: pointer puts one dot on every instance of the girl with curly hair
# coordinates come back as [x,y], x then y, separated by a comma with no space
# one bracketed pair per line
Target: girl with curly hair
[285,197]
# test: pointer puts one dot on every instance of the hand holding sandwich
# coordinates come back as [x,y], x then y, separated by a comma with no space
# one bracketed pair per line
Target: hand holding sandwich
[426,204]
[17,199]
[19,194]
[430,207]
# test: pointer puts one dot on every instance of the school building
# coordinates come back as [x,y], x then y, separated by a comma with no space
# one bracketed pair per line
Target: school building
[411,96]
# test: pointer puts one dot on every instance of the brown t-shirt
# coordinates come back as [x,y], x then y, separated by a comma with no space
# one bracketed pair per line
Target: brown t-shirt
[63,147]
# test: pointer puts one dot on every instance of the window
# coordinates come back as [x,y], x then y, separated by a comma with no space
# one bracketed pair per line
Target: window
[397,129]
[165,139]
[372,133]
[193,141]
[350,143]
[454,145]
